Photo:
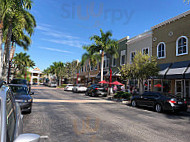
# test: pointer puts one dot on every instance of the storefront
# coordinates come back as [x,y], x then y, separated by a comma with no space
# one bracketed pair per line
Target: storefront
[174,78]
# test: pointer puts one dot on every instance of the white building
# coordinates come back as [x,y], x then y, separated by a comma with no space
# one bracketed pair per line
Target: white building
[35,75]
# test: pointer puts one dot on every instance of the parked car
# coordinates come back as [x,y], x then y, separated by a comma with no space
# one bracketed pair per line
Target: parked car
[21,81]
[69,87]
[79,88]
[96,90]
[22,96]
[52,84]
[11,123]
[160,102]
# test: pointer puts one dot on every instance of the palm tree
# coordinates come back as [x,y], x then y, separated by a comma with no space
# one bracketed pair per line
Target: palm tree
[16,26]
[21,62]
[92,59]
[103,44]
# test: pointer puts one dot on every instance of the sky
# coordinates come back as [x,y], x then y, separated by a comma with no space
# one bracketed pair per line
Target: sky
[64,26]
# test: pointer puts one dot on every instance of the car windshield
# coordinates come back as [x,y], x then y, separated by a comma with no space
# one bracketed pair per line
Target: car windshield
[19,90]
[18,81]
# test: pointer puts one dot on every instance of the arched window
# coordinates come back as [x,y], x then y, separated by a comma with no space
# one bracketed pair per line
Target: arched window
[161,50]
[182,46]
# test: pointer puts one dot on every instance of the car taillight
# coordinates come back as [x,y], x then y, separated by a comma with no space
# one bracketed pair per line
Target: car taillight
[172,101]
[96,88]
[185,102]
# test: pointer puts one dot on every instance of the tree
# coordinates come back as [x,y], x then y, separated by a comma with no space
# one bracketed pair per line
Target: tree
[21,62]
[142,68]
[12,13]
[103,44]
[58,69]
[92,59]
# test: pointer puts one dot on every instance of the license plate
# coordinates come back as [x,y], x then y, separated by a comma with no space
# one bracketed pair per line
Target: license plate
[180,103]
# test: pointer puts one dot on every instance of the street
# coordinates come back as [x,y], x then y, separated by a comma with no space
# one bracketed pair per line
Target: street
[74,117]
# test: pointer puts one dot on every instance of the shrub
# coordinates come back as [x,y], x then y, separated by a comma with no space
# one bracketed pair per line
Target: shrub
[123,95]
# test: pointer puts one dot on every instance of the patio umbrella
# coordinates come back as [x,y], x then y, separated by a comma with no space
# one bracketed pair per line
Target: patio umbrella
[103,82]
[158,85]
[116,83]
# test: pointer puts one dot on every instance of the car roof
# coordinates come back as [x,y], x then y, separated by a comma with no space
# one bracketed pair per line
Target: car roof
[23,85]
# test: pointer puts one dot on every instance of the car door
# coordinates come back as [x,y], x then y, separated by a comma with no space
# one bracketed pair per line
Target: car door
[11,118]
[143,99]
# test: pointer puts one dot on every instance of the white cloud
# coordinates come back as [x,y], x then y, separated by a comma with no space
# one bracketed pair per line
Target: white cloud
[60,37]
[55,49]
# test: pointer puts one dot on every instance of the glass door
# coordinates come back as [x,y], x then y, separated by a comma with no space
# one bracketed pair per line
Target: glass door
[178,88]
[187,89]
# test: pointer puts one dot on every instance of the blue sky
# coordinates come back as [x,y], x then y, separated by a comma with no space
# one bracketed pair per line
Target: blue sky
[64,26]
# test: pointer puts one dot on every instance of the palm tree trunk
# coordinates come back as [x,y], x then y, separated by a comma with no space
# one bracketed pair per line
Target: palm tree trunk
[60,81]
[25,73]
[1,50]
[88,71]
[102,66]
[7,53]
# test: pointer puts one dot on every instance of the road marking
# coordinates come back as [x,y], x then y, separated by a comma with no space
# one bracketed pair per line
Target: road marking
[70,101]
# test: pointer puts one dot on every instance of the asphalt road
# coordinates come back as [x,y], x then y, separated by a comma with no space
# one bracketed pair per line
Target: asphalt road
[74,117]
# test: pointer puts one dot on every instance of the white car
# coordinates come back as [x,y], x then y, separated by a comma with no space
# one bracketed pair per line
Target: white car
[79,88]
[69,87]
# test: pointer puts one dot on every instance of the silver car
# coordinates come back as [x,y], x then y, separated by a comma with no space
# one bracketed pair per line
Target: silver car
[11,125]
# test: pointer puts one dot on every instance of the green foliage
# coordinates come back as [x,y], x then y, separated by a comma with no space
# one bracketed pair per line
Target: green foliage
[142,67]
[21,62]
[63,86]
[123,95]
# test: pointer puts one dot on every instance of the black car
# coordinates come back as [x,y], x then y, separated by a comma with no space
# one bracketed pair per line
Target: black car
[160,102]
[22,96]
[96,90]
[21,81]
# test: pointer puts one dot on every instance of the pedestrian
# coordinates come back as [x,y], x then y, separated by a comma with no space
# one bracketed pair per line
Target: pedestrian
[123,88]
[115,88]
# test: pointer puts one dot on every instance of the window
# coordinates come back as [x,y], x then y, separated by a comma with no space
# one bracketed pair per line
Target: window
[113,62]
[122,58]
[11,120]
[145,51]
[132,56]
[85,69]
[81,69]
[182,46]
[161,50]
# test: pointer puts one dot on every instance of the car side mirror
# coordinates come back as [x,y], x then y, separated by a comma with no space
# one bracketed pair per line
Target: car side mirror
[31,93]
[28,138]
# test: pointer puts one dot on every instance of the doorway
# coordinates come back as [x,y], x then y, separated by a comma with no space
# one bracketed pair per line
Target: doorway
[179,88]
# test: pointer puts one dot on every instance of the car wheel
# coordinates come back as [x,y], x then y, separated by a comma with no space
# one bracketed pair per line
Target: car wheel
[93,94]
[158,108]
[133,103]
[86,93]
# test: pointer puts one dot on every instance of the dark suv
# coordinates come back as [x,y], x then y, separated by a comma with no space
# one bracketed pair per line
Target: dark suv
[160,102]
[96,90]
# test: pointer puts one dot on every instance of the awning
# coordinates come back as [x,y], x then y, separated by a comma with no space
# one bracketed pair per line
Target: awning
[163,70]
[116,73]
[177,70]
[104,73]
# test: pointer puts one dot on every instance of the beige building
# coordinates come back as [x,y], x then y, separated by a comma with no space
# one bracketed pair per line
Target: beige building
[171,47]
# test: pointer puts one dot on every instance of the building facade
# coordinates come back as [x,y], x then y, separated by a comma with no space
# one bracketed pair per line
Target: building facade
[140,43]
[170,44]
[36,76]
